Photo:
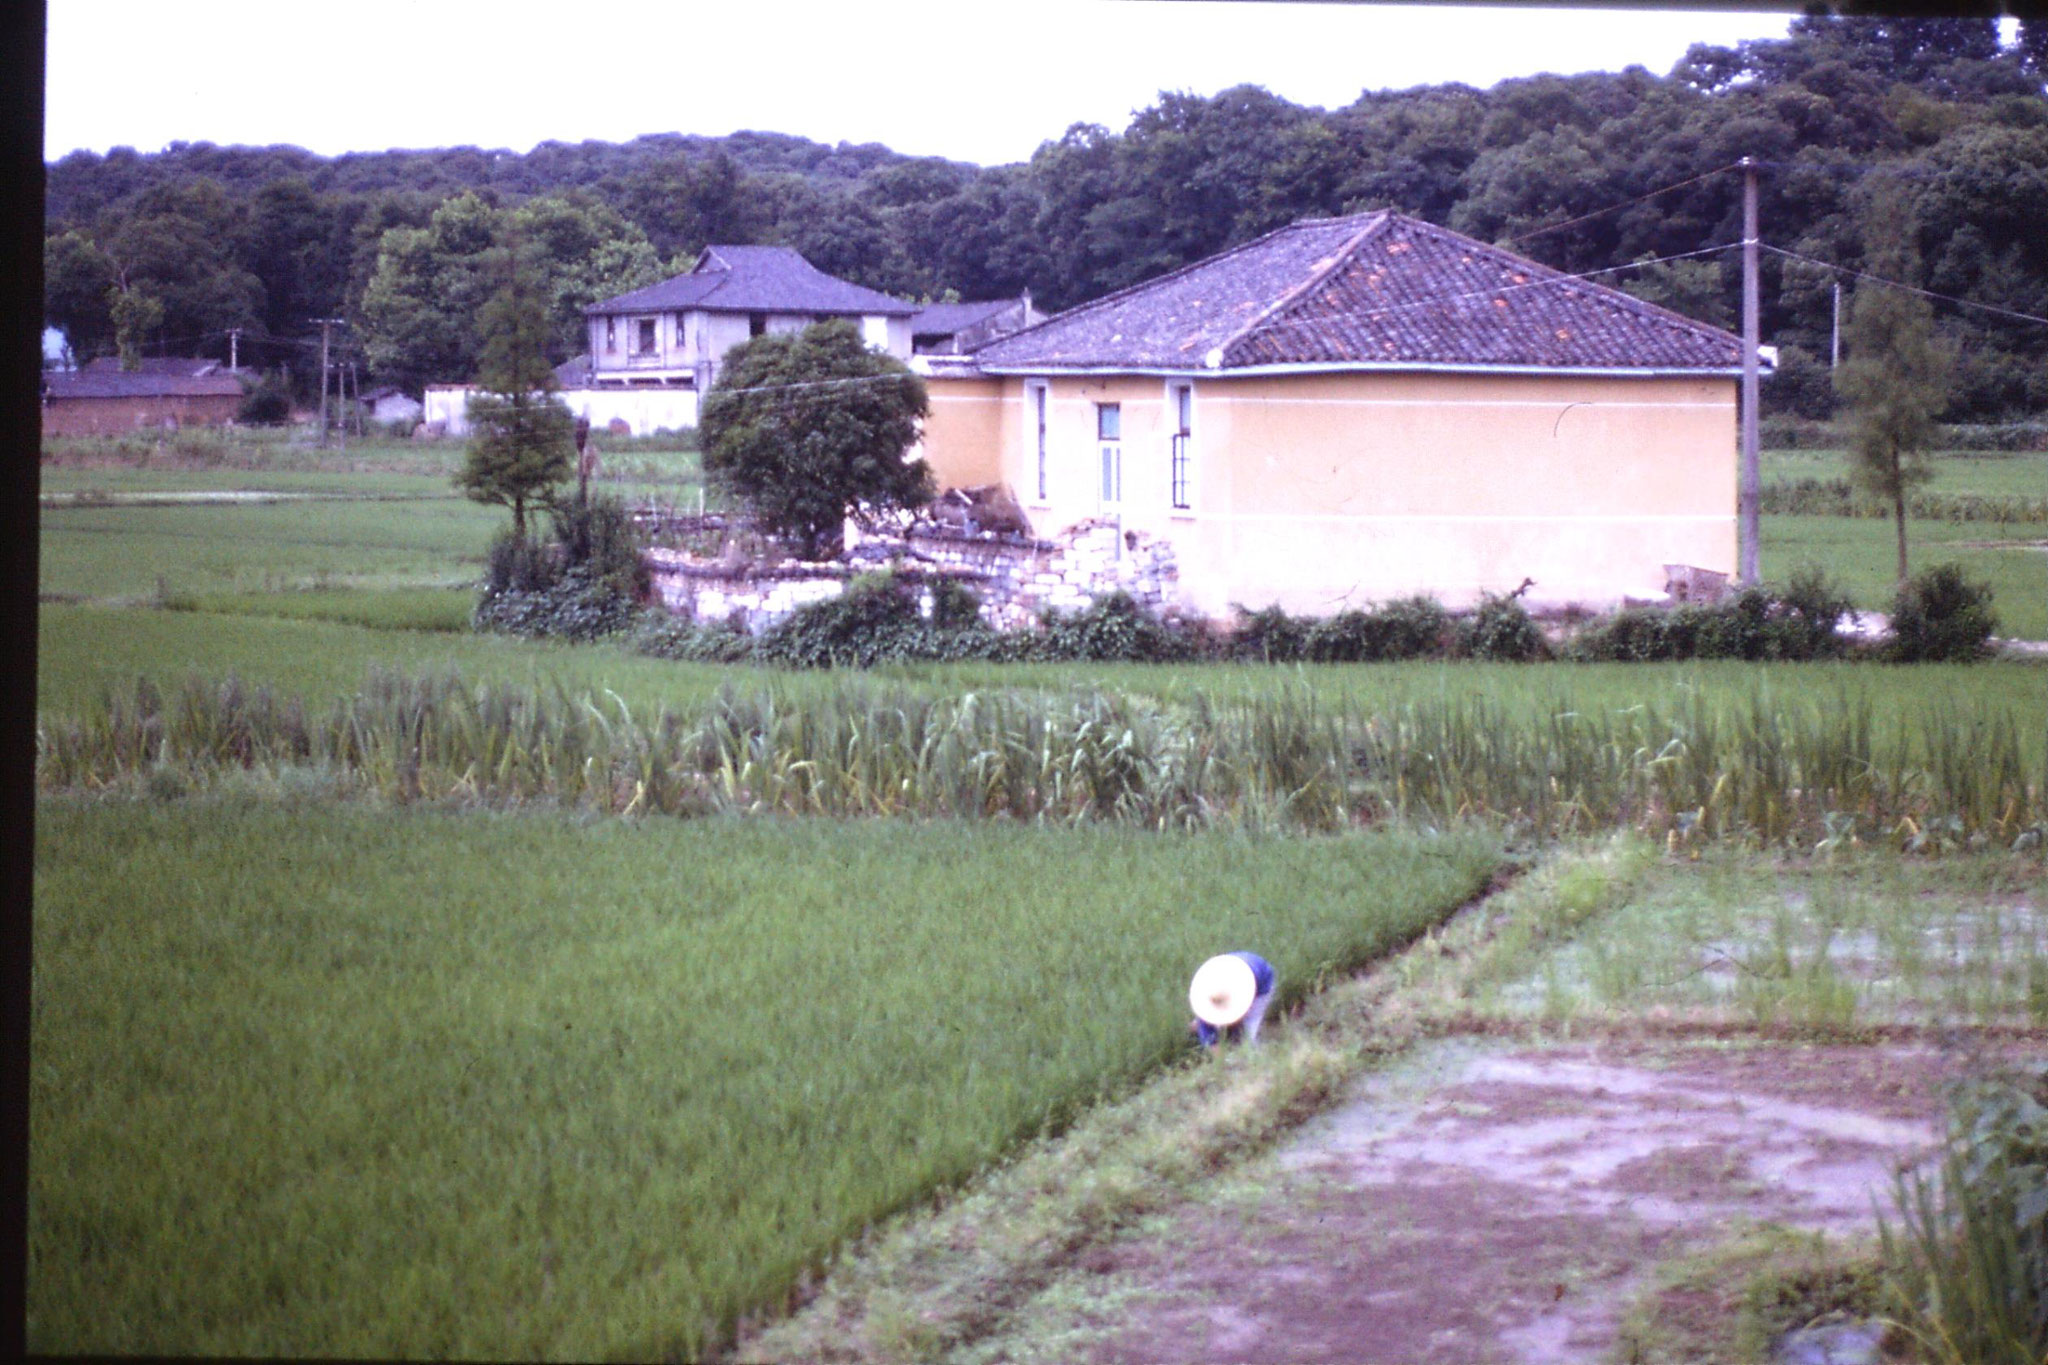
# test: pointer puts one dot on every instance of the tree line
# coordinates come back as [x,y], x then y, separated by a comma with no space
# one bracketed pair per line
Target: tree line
[1849,117]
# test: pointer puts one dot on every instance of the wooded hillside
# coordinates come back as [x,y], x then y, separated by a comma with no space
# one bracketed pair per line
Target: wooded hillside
[1583,173]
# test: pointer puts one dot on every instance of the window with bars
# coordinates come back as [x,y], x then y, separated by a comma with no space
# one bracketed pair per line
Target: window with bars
[1035,395]
[1181,457]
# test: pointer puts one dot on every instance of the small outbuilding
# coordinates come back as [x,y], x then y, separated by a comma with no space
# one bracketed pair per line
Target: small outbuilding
[164,392]
[1349,410]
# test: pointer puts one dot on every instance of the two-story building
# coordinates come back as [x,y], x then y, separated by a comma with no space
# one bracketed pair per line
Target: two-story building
[675,334]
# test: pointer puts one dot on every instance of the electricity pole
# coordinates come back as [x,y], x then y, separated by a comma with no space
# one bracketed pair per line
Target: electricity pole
[1835,346]
[325,323]
[1749,494]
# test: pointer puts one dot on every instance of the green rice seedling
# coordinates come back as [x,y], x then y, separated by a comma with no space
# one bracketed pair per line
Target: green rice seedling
[440,1082]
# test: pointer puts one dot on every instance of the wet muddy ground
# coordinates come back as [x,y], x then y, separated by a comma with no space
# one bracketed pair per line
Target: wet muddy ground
[1489,1202]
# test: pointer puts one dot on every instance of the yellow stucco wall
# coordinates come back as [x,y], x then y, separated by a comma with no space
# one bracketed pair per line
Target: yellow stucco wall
[1319,492]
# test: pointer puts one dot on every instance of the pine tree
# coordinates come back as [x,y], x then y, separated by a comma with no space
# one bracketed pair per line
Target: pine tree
[1895,377]
[524,442]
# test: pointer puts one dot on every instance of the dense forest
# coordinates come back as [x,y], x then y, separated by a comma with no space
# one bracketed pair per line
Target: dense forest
[1585,173]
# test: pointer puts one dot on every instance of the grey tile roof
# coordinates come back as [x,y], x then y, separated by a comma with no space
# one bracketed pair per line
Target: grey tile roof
[1375,289]
[92,382]
[755,279]
[944,319]
[189,366]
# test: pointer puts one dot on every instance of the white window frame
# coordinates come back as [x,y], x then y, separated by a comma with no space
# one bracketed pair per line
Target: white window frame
[1037,437]
[1180,439]
[1110,483]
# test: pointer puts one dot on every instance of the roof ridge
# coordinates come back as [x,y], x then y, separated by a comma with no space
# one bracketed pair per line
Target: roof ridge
[1080,309]
[1380,218]
[1599,292]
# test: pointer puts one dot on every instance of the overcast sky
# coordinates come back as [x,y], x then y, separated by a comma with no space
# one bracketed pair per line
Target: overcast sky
[953,78]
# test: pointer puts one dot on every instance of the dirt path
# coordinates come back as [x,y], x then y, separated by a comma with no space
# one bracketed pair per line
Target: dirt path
[1502,1203]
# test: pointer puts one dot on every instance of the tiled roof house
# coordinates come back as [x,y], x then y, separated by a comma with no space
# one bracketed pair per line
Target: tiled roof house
[676,333]
[1352,409]
[105,400]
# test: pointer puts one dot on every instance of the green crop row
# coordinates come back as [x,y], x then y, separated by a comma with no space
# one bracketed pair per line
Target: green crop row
[1749,760]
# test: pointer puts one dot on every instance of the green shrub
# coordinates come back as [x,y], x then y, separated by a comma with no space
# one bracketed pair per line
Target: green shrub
[1269,635]
[1796,433]
[874,619]
[1408,628]
[1999,436]
[1502,629]
[600,534]
[1113,630]
[267,404]
[662,636]
[588,582]
[577,606]
[1798,623]
[1941,616]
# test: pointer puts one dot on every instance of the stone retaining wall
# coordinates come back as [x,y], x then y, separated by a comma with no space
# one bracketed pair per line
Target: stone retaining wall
[1017,578]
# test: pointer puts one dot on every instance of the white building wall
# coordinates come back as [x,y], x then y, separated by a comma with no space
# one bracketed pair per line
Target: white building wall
[644,410]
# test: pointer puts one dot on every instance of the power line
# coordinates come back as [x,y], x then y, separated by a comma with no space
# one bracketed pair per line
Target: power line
[1584,217]
[1910,289]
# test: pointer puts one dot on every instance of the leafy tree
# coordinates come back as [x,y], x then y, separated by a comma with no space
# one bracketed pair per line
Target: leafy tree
[524,443]
[811,427]
[135,316]
[1895,376]
[183,244]
[298,251]
[586,251]
[76,278]
[421,307]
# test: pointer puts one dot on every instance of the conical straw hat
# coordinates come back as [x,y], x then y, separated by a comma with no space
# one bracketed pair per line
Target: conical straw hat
[1222,991]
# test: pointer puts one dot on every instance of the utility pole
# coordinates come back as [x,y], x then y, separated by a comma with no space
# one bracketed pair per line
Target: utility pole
[1749,493]
[1835,348]
[325,324]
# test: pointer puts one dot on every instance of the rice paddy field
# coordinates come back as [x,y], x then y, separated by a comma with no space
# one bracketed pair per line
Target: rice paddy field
[320,1080]
[406,992]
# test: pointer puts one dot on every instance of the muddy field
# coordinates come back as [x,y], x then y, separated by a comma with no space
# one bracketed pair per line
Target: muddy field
[1486,1203]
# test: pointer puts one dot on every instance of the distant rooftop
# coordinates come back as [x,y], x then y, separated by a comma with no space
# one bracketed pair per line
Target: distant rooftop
[755,279]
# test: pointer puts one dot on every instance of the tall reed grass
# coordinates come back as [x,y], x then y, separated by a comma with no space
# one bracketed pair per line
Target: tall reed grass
[1744,759]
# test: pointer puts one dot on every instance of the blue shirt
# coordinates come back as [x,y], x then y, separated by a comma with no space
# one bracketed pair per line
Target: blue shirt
[1263,977]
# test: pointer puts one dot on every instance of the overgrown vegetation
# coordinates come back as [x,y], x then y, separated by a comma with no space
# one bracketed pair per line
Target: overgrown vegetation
[589,581]
[1749,761]
[1969,1255]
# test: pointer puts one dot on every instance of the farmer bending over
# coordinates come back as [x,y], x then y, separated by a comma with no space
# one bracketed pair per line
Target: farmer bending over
[1229,995]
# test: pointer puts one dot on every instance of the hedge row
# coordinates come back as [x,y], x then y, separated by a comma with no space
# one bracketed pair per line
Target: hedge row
[1836,498]
[1940,616]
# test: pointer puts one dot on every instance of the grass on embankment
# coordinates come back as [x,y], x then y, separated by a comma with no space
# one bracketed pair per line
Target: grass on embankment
[320,1080]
